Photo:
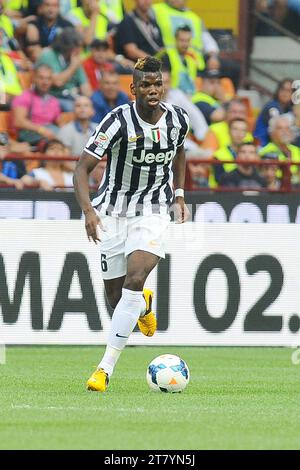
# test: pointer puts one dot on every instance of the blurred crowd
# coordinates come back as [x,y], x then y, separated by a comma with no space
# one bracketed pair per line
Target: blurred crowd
[285,13]
[65,64]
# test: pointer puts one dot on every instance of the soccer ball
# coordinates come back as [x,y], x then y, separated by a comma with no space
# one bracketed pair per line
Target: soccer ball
[168,373]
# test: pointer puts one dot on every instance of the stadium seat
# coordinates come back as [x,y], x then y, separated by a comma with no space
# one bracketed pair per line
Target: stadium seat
[6,124]
[125,81]
[4,118]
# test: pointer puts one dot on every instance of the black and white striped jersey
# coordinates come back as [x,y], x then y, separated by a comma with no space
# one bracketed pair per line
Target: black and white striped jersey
[138,177]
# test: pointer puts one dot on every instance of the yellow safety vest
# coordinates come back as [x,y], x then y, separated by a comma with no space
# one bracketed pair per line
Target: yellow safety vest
[112,9]
[222,154]
[170,19]
[182,77]
[101,26]
[295,156]
[15,4]
[221,131]
[204,98]
[7,26]
[9,82]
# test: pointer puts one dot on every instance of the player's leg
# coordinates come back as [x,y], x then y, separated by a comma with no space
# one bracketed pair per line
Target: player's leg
[113,265]
[113,290]
[129,308]
[146,233]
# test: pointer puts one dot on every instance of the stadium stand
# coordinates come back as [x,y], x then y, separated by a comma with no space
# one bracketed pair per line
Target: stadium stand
[225,32]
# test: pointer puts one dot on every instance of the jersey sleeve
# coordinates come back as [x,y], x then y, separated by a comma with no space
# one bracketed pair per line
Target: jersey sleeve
[184,128]
[106,134]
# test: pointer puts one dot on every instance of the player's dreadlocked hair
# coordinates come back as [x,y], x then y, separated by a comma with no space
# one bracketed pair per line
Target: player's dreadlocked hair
[147,64]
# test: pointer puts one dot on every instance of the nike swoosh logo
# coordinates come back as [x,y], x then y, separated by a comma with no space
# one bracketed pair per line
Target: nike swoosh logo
[134,138]
[120,336]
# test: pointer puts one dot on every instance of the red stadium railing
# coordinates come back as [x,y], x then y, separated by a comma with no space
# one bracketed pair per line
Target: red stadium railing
[286,183]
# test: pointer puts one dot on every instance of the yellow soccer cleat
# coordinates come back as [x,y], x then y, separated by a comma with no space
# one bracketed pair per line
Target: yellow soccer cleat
[98,382]
[147,323]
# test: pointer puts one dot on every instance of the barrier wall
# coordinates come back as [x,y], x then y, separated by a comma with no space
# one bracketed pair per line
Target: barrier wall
[214,208]
[220,284]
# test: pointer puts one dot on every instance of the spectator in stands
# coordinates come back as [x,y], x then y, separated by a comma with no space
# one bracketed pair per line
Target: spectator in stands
[51,173]
[218,135]
[209,99]
[98,62]
[172,14]
[296,126]
[270,172]
[7,28]
[238,129]
[114,10]
[177,97]
[16,183]
[4,150]
[9,43]
[108,97]
[47,26]
[282,136]
[21,8]
[69,77]
[76,133]
[9,82]
[286,13]
[280,104]
[14,169]
[198,174]
[89,21]
[35,111]
[138,34]
[181,61]
[245,176]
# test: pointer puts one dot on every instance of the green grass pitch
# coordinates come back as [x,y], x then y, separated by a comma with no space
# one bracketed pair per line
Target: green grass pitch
[238,398]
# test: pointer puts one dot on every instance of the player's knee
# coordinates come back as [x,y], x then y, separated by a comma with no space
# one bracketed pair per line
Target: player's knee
[135,281]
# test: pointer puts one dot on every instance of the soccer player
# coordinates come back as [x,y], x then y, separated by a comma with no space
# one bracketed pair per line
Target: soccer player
[144,144]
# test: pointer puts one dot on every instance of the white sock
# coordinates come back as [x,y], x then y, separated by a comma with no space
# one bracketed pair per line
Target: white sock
[109,359]
[144,307]
[124,319]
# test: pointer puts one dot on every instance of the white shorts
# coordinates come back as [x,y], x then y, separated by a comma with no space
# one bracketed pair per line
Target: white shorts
[124,235]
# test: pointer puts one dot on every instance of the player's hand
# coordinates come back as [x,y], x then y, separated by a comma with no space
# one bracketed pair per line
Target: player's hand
[92,225]
[182,213]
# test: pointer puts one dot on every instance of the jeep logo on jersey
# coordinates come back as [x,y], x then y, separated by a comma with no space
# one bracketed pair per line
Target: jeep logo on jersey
[148,158]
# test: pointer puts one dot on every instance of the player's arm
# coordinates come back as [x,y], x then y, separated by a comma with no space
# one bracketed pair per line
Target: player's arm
[81,186]
[181,211]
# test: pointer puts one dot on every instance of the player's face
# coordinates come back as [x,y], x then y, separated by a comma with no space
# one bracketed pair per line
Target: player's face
[148,90]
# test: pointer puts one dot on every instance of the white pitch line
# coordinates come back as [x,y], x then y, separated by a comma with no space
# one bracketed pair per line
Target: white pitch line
[76,408]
